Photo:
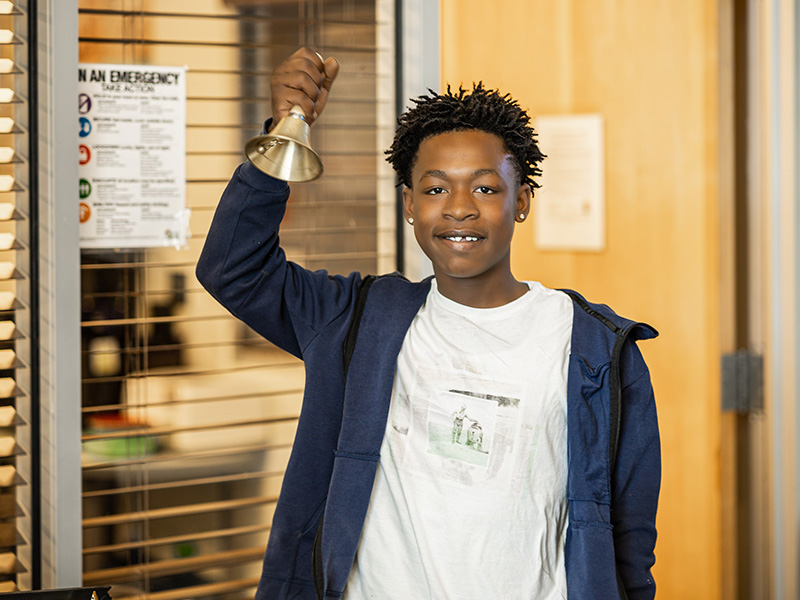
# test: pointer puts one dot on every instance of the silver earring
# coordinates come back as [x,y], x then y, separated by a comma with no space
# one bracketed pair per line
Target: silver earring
[410,220]
[521,216]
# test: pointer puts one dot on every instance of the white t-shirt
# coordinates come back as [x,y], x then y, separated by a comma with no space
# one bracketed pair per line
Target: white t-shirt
[469,500]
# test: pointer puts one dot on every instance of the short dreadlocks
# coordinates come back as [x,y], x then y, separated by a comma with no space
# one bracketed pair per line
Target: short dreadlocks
[481,109]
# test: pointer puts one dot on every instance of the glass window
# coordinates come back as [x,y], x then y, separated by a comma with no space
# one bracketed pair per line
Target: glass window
[188,416]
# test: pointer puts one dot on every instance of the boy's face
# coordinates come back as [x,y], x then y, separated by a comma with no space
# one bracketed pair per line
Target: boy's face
[465,198]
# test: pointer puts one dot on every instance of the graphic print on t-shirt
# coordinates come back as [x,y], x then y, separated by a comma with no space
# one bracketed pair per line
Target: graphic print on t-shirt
[457,426]
[461,424]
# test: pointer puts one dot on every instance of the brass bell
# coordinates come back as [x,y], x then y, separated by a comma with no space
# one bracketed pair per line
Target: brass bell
[285,152]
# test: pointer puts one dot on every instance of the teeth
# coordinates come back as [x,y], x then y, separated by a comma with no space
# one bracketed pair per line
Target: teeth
[459,238]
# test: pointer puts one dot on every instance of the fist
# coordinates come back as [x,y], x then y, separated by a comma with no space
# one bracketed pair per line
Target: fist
[304,79]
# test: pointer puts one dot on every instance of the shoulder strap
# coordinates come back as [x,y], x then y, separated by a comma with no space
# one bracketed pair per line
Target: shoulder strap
[615,410]
[358,312]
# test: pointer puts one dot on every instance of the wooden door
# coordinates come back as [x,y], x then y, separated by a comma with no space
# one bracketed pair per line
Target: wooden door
[651,69]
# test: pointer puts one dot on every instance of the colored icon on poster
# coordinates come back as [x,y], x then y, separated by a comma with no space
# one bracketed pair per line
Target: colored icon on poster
[84,189]
[85,127]
[85,212]
[84,103]
[84,153]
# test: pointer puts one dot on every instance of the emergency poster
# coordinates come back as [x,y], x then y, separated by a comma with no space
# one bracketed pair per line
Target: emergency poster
[132,153]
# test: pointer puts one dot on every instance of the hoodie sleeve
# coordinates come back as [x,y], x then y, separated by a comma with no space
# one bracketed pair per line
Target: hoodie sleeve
[637,479]
[243,266]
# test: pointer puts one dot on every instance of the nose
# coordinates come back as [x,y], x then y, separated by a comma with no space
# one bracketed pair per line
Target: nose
[460,205]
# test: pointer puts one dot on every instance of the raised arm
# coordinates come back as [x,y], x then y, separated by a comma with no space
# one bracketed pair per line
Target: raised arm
[242,264]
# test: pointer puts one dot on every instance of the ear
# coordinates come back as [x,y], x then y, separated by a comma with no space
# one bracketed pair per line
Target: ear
[408,203]
[523,206]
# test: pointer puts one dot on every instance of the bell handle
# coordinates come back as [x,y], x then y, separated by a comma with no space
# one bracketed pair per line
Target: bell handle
[297,112]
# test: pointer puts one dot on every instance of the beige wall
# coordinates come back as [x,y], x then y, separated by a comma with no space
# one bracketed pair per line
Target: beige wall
[651,69]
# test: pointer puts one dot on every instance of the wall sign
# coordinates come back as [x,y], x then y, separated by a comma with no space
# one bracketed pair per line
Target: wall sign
[571,204]
[132,149]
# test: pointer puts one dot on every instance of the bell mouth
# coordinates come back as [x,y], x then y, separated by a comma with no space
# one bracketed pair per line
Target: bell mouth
[284,159]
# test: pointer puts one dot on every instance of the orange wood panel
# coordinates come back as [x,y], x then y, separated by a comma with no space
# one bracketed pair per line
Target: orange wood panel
[651,69]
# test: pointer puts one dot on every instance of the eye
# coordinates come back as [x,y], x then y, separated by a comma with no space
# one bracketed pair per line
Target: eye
[435,190]
[485,189]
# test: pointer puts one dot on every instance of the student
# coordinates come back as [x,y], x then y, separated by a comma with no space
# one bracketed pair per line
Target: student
[554,493]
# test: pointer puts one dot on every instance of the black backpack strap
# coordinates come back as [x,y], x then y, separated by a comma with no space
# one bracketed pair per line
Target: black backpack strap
[347,354]
[358,312]
[615,410]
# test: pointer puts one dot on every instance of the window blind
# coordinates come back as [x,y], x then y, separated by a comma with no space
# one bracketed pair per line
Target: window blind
[189,417]
[19,509]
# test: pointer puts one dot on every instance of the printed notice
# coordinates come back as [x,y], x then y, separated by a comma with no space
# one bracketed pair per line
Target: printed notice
[570,205]
[132,153]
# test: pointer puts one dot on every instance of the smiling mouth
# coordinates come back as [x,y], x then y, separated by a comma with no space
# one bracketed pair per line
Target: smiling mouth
[462,238]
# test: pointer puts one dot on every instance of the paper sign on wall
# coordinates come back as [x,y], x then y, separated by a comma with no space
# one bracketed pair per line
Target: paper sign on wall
[570,205]
[132,151]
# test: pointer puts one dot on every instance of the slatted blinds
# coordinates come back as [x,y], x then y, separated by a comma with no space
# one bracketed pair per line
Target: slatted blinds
[188,417]
[18,306]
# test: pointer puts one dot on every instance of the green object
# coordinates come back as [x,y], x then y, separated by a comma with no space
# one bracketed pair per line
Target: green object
[184,550]
[124,447]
